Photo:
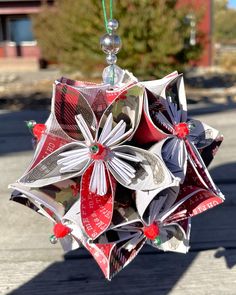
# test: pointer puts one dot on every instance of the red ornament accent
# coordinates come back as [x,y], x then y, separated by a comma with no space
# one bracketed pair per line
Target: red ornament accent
[152,231]
[75,189]
[60,230]
[181,130]
[98,151]
[38,130]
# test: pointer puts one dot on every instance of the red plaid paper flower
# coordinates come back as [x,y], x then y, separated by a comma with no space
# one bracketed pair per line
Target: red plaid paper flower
[101,159]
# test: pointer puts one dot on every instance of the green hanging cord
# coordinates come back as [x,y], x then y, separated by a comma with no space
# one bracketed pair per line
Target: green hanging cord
[110,42]
[105,13]
[113,68]
[111,9]
[113,76]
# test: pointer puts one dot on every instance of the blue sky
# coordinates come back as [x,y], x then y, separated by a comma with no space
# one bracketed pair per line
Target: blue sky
[232,3]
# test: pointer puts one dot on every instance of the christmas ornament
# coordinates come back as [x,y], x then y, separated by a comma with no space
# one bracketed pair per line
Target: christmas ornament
[118,165]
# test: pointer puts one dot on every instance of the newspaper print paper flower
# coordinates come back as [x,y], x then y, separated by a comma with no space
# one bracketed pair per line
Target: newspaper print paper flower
[101,150]
[111,257]
[165,224]
[101,158]
[48,201]
[165,115]
[167,235]
[120,111]
[133,232]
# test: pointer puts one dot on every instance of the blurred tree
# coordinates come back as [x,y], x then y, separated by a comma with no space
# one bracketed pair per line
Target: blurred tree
[224,22]
[155,36]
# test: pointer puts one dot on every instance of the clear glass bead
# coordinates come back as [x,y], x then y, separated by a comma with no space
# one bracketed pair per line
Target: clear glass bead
[112,75]
[111,59]
[112,25]
[110,43]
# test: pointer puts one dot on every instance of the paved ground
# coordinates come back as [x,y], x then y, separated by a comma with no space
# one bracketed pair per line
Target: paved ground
[30,265]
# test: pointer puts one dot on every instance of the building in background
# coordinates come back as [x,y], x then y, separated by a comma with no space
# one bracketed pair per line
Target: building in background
[16,36]
[204,7]
[17,40]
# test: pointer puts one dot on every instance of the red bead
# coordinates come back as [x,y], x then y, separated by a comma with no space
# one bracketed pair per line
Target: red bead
[152,231]
[60,230]
[181,130]
[38,130]
[98,151]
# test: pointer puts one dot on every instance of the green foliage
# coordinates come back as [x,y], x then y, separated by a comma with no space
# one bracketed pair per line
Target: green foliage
[224,22]
[153,34]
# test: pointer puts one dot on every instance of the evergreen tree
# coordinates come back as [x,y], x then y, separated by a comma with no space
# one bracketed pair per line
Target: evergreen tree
[224,22]
[154,34]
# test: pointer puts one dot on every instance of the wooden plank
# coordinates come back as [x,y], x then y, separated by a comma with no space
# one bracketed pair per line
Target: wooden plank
[214,229]
[196,273]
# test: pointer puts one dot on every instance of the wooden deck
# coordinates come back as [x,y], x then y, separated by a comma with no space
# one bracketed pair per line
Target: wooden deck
[30,265]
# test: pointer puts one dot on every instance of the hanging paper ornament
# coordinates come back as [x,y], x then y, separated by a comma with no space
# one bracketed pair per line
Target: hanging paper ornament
[120,164]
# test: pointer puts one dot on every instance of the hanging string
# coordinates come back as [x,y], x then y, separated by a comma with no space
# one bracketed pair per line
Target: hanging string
[113,68]
[110,42]
[105,13]
[111,8]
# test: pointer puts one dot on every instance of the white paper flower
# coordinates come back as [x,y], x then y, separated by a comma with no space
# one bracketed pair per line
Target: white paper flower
[102,151]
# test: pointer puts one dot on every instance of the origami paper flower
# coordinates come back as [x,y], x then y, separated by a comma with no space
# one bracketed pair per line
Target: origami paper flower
[101,150]
[164,225]
[114,169]
[53,202]
[108,256]
[126,109]
[61,127]
[165,116]
[128,237]
[101,158]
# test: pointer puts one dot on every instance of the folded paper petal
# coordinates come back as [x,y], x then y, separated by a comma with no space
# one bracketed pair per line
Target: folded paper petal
[170,88]
[101,254]
[149,171]
[208,153]
[174,154]
[197,173]
[147,127]
[126,242]
[96,210]
[51,203]
[45,205]
[48,171]
[158,86]
[53,138]
[169,186]
[173,238]
[121,257]
[175,90]
[201,134]
[151,203]
[60,197]
[206,139]
[127,107]
[112,257]
[193,201]
[67,103]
